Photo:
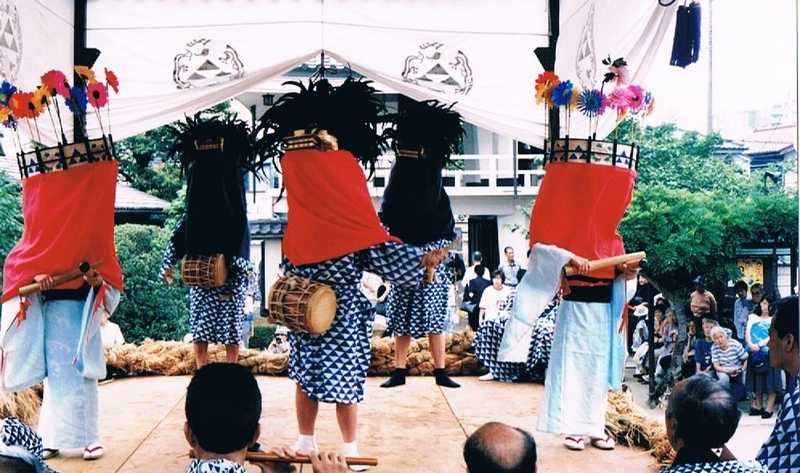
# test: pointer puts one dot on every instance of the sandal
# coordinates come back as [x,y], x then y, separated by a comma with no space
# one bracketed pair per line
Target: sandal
[574,443]
[93,452]
[48,453]
[606,443]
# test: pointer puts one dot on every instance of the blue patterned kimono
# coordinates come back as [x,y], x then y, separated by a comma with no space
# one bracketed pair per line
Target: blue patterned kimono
[420,311]
[216,314]
[332,367]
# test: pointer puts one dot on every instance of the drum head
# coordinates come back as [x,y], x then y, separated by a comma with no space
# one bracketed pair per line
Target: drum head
[321,310]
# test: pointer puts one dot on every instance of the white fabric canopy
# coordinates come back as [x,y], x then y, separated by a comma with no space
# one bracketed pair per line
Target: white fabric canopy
[174,58]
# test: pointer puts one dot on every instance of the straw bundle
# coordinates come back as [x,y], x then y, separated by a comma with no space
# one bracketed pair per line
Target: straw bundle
[23,405]
[632,428]
[420,361]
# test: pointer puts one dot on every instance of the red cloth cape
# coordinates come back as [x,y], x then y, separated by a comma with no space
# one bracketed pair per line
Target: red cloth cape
[579,207]
[69,218]
[330,210]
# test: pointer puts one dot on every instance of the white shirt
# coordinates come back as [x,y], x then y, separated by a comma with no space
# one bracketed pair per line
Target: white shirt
[470,274]
[111,335]
[495,302]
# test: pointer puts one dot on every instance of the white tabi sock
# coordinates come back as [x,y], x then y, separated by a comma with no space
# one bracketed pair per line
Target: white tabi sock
[305,444]
[351,450]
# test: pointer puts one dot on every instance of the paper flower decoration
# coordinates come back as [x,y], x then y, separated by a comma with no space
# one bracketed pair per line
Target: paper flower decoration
[6,91]
[41,96]
[591,103]
[111,80]
[4,114]
[97,94]
[620,99]
[561,94]
[86,74]
[544,86]
[56,83]
[636,97]
[649,104]
[19,105]
[10,122]
[77,101]
[573,101]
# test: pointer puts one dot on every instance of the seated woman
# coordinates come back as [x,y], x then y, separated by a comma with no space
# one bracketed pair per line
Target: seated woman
[702,416]
[728,357]
[762,379]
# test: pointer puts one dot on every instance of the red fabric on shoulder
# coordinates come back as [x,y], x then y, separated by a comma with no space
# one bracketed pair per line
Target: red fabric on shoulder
[330,210]
[69,219]
[579,207]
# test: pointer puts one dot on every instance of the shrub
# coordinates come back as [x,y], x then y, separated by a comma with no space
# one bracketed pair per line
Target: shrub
[10,216]
[149,308]
[262,337]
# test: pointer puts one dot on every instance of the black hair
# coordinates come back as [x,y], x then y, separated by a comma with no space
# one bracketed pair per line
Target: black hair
[757,287]
[499,273]
[429,127]
[787,319]
[505,250]
[223,407]
[740,285]
[477,256]
[705,412]
[479,270]
[765,297]
[484,456]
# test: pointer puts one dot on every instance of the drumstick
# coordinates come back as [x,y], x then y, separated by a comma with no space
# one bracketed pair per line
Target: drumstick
[60,278]
[265,457]
[603,263]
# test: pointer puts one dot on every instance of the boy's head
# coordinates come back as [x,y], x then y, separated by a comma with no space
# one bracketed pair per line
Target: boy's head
[741,289]
[708,326]
[223,408]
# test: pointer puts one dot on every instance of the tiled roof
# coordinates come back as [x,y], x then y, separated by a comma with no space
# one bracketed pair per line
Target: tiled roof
[777,139]
[128,199]
[268,228]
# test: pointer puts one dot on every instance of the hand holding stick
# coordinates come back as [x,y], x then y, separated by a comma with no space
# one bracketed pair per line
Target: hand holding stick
[626,261]
[46,282]
[285,455]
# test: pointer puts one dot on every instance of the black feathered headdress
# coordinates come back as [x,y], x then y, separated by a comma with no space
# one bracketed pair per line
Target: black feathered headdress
[432,129]
[350,112]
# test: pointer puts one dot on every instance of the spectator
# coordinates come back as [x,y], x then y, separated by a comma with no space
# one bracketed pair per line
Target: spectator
[641,336]
[742,308]
[762,379]
[510,268]
[500,448]
[702,416]
[702,302]
[756,293]
[110,332]
[472,296]
[728,356]
[280,342]
[248,319]
[495,299]
[669,335]
[223,408]
[658,341]
[781,452]
[702,349]
[688,368]
[470,273]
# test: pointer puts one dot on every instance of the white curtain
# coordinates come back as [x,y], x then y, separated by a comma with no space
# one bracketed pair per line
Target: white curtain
[176,57]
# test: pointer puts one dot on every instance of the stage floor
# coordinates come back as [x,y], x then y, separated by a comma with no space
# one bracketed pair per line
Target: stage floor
[418,427]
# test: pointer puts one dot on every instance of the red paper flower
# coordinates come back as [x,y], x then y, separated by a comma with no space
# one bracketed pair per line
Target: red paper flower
[19,105]
[112,81]
[56,83]
[97,94]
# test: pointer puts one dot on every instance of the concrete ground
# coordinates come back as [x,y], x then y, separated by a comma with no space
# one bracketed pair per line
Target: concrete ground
[415,428]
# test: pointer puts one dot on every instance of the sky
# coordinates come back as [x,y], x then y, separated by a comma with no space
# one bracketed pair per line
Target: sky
[754,58]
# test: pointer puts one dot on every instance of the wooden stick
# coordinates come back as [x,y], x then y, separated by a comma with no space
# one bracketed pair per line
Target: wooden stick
[60,278]
[631,259]
[265,457]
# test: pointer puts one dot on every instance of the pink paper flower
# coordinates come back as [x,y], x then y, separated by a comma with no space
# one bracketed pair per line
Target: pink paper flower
[620,99]
[621,72]
[97,94]
[636,97]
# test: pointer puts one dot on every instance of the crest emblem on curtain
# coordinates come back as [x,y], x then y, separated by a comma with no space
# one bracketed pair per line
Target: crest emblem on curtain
[439,68]
[585,59]
[206,62]
[10,40]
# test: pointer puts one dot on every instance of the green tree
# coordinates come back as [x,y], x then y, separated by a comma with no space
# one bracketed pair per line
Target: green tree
[10,216]
[149,308]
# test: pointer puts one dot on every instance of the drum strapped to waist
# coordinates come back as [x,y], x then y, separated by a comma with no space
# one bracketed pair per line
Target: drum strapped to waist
[302,305]
[204,271]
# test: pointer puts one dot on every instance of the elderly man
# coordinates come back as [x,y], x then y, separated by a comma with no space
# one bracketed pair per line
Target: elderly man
[702,416]
[781,452]
[500,448]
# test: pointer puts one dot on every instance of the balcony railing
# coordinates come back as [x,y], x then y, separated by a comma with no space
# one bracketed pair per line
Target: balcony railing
[481,175]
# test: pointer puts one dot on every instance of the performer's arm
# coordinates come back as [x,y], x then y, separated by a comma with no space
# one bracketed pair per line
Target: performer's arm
[168,261]
[45,281]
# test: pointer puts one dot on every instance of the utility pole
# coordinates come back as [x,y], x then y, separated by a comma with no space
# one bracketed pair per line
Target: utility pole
[710,124]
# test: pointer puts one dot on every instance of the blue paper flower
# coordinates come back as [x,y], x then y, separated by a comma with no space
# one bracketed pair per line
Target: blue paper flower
[6,91]
[592,103]
[562,94]
[10,122]
[77,101]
